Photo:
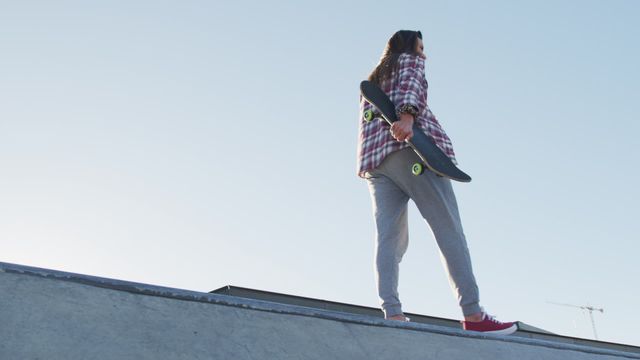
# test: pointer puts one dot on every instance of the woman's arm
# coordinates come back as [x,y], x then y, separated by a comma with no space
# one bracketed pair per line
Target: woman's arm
[409,101]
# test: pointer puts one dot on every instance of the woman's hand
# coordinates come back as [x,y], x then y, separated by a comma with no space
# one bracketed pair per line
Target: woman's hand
[402,129]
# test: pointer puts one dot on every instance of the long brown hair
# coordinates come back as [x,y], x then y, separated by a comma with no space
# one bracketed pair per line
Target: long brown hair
[403,41]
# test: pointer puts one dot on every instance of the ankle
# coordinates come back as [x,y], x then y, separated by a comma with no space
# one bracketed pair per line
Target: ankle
[477,317]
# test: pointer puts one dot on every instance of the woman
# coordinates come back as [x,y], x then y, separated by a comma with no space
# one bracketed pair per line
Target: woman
[384,160]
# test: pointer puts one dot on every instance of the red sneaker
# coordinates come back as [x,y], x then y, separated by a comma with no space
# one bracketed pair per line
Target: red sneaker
[490,325]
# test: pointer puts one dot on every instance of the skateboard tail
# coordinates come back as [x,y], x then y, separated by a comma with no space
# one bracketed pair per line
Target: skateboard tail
[459,175]
[442,164]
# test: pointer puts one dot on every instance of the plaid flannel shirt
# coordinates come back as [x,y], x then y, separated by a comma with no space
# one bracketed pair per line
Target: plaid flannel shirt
[407,88]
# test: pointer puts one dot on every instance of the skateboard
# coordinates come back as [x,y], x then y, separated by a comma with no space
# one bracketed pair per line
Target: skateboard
[431,157]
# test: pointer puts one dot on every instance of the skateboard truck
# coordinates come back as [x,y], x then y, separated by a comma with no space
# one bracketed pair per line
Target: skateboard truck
[370,115]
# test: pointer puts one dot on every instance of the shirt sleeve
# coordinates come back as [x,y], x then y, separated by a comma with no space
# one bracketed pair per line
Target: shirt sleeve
[410,85]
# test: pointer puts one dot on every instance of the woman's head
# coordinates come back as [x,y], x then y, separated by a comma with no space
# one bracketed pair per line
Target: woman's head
[405,41]
[402,42]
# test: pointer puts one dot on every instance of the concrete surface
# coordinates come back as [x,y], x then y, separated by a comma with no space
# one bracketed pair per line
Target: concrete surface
[46,314]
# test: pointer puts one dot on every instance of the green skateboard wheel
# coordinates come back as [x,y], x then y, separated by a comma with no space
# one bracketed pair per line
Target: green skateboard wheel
[368,115]
[417,169]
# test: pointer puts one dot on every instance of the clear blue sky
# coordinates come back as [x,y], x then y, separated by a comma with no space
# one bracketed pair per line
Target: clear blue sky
[196,144]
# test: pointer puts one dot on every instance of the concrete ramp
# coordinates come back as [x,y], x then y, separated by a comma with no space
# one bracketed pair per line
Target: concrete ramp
[46,314]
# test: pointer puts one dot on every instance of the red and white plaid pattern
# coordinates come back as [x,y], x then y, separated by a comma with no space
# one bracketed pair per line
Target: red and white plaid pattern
[406,86]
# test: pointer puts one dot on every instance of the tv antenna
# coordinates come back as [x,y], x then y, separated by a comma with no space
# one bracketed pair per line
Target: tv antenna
[589,308]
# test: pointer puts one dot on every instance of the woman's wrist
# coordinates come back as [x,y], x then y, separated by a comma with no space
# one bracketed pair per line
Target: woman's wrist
[407,117]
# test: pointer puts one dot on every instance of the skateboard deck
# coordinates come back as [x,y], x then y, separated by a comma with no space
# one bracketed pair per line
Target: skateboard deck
[431,156]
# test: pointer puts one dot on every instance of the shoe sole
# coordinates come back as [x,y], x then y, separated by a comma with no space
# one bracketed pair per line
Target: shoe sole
[508,331]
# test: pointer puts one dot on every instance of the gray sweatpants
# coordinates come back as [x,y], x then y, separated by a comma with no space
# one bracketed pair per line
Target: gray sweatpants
[391,186]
